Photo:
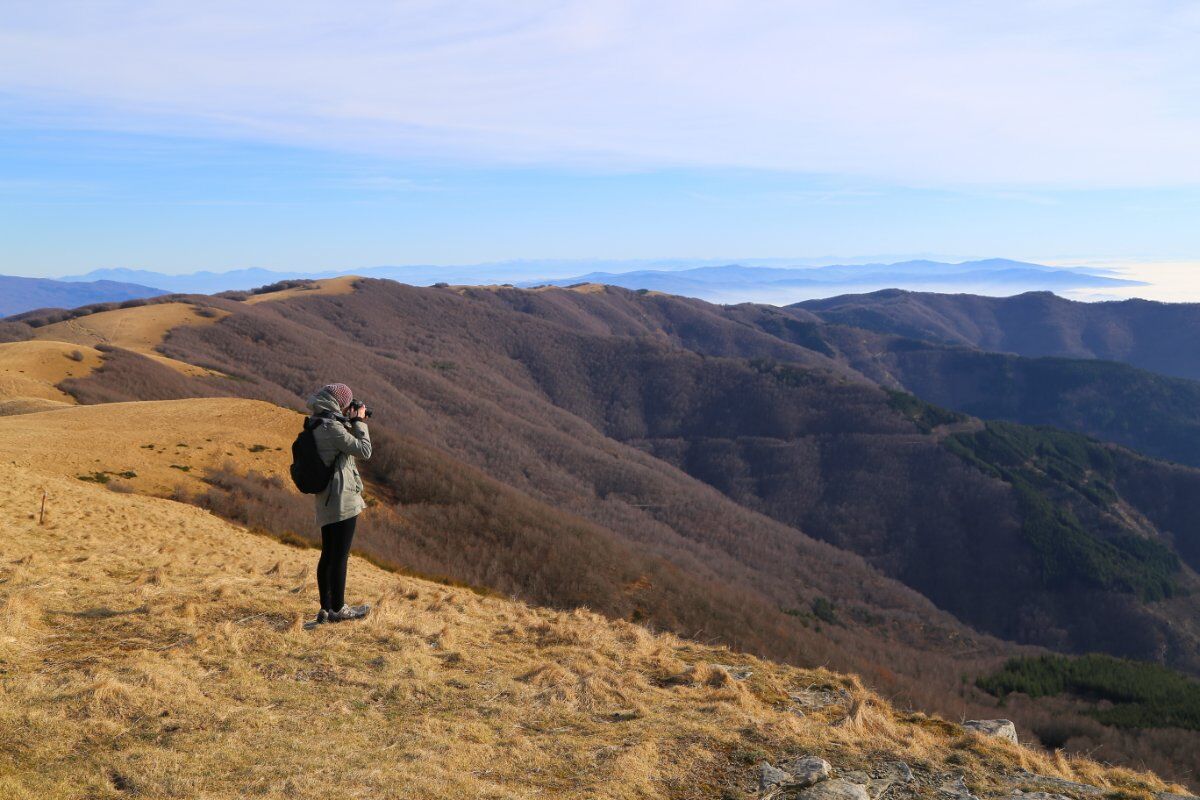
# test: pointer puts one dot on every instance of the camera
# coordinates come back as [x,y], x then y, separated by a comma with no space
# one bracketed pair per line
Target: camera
[355,405]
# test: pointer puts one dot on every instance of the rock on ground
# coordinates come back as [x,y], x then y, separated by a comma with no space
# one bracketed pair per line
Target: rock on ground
[957,789]
[1057,785]
[769,776]
[807,770]
[1004,728]
[836,789]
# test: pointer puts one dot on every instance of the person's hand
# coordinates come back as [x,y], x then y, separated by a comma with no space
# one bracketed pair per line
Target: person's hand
[359,413]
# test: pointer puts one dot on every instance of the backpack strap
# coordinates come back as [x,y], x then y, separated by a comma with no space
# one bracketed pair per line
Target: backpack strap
[310,424]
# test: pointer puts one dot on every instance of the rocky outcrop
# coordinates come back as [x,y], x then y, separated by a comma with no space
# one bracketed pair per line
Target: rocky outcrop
[808,770]
[770,777]
[835,789]
[810,778]
[956,789]
[1038,785]
[1002,728]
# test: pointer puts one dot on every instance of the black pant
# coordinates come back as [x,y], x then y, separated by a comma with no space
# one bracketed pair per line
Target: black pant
[331,569]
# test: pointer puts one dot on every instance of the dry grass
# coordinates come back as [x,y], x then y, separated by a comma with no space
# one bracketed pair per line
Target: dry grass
[29,405]
[149,649]
[153,440]
[30,370]
[140,329]
[330,286]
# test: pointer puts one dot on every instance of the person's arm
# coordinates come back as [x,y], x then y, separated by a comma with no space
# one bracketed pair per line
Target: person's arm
[355,442]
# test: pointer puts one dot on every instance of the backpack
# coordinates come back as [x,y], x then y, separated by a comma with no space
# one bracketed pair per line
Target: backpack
[309,472]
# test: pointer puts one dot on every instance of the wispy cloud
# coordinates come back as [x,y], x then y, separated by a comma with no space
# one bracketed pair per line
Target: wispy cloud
[1062,93]
[47,188]
[388,183]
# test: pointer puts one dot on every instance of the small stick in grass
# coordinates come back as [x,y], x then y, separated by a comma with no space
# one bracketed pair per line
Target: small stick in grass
[42,515]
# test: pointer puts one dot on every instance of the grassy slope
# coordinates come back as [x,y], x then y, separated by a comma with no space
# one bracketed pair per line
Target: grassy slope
[153,447]
[30,372]
[139,328]
[149,648]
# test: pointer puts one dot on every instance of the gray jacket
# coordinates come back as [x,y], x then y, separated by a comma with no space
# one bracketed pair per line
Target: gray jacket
[343,442]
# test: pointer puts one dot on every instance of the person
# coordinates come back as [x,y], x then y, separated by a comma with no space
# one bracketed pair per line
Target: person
[341,434]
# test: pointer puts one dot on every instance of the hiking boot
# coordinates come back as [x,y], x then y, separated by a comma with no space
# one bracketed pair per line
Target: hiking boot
[348,613]
[322,617]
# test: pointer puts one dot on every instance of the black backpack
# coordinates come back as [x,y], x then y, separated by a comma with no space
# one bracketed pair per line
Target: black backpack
[309,472]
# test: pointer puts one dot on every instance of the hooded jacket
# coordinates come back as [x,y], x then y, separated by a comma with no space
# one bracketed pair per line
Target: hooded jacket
[342,441]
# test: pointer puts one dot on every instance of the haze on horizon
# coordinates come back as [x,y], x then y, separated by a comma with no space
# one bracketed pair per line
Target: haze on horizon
[175,137]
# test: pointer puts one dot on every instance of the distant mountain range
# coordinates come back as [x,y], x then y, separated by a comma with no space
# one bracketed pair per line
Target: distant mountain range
[26,294]
[739,283]
[776,281]
[205,282]
[497,272]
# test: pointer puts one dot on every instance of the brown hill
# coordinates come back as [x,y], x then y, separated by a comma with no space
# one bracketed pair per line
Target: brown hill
[1143,333]
[31,371]
[1149,412]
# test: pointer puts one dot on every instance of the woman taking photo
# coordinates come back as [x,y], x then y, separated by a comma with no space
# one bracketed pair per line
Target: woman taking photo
[339,428]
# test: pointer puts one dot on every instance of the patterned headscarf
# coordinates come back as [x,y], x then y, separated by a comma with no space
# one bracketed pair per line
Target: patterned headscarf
[341,392]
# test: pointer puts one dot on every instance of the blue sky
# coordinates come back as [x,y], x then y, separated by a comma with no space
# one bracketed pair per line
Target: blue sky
[182,136]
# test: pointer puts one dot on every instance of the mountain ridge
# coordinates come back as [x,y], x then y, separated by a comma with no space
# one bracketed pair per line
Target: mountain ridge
[1142,333]
[18,294]
[733,280]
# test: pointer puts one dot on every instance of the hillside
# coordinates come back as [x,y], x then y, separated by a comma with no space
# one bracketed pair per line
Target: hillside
[31,371]
[139,329]
[839,460]
[631,520]
[1152,413]
[152,650]
[1143,333]
[25,294]
[1149,412]
[153,447]
[528,444]
[830,440]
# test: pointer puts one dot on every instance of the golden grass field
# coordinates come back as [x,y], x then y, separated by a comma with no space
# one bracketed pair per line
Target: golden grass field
[140,329]
[329,286]
[165,443]
[150,649]
[31,371]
